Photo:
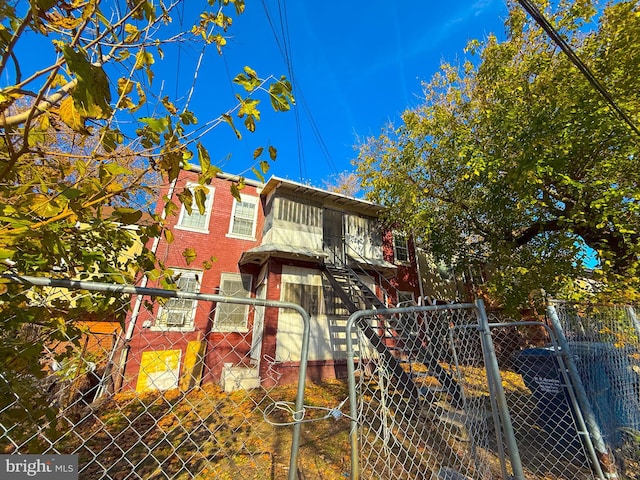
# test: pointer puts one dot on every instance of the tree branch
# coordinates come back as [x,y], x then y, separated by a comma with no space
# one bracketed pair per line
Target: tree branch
[9,51]
[42,107]
[525,236]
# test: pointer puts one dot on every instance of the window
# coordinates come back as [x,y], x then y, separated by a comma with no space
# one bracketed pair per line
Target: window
[332,302]
[232,317]
[196,221]
[179,313]
[297,212]
[405,299]
[302,286]
[243,217]
[363,236]
[400,248]
[307,296]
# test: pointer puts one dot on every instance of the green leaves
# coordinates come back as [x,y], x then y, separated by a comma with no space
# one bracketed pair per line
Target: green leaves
[248,109]
[281,95]
[144,59]
[189,255]
[229,120]
[111,139]
[91,95]
[248,80]
[512,159]
[81,162]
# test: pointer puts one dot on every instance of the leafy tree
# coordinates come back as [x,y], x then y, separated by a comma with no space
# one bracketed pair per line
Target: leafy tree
[346,183]
[515,160]
[79,158]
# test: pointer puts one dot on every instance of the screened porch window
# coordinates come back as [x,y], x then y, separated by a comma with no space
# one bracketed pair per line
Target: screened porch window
[297,212]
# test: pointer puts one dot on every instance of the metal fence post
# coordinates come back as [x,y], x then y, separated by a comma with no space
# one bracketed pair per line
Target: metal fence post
[495,383]
[154,292]
[634,320]
[604,456]
[353,407]
[302,375]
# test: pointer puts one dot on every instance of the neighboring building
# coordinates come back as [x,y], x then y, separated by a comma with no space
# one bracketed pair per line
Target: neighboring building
[282,241]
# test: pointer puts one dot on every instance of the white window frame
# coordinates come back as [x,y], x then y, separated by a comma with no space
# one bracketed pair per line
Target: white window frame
[399,236]
[244,199]
[221,308]
[208,208]
[303,276]
[188,324]
[404,297]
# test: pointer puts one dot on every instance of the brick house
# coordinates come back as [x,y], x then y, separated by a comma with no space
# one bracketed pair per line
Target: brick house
[282,241]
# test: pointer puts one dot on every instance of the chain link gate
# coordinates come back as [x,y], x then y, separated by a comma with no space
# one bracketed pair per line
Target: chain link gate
[431,399]
[437,393]
[157,401]
[604,341]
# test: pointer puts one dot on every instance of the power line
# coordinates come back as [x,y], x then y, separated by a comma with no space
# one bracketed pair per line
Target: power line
[568,50]
[284,45]
[282,41]
[286,41]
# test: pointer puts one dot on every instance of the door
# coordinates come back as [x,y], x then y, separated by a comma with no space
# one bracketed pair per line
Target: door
[333,235]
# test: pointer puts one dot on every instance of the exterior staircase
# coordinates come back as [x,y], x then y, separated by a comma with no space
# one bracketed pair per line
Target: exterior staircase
[402,347]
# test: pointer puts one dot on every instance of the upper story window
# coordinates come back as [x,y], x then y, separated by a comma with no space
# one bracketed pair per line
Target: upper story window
[233,317]
[196,221]
[363,236]
[179,313]
[400,248]
[297,212]
[243,217]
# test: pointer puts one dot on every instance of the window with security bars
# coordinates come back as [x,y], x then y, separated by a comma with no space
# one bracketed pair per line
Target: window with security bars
[307,296]
[333,303]
[195,220]
[400,248]
[231,317]
[243,218]
[179,313]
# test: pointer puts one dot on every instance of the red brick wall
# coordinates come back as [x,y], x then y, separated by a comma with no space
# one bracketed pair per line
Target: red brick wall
[406,279]
[226,251]
[233,347]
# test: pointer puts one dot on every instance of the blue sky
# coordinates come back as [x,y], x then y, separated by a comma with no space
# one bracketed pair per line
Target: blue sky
[356,66]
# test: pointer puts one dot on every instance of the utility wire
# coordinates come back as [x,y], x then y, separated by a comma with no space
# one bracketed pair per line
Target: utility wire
[181,20]
[568,50]
[284,29]
[284,47]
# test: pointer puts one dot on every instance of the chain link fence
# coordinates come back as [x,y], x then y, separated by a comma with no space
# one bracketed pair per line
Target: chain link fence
[420,400]
[604,341]
[141,389]
[551,436]
[151,395]
[447,394]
